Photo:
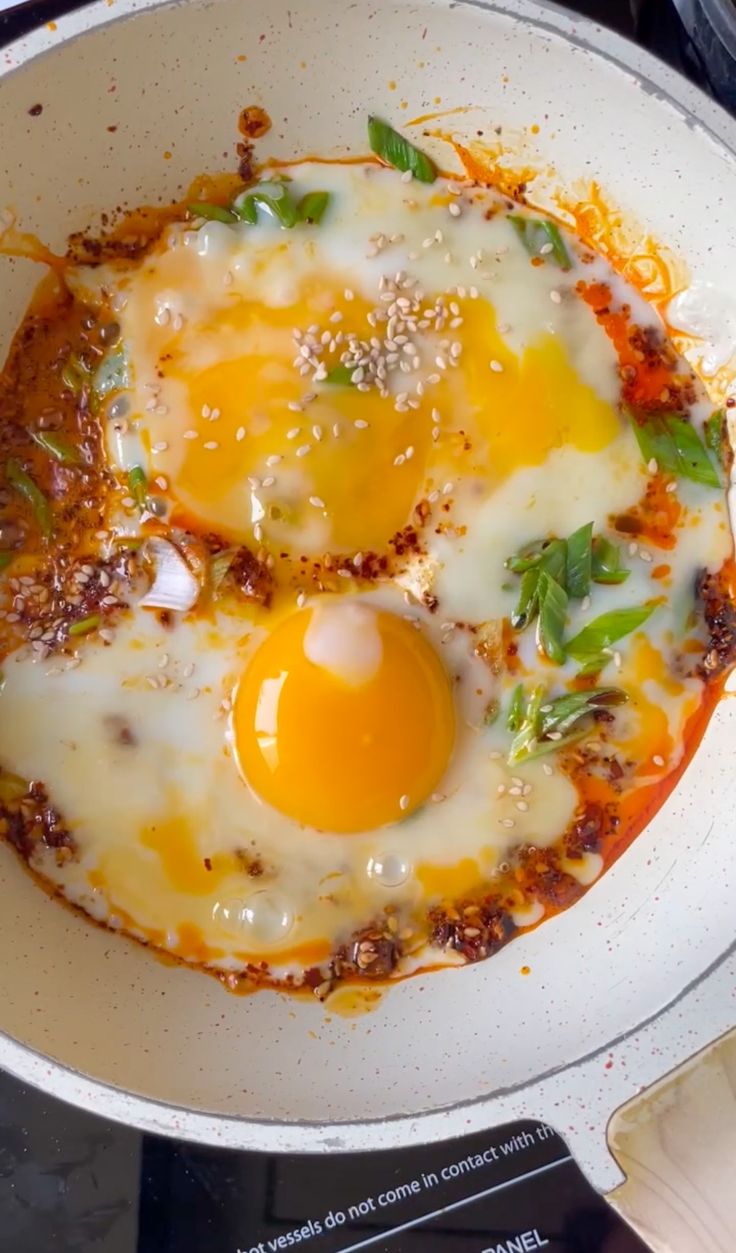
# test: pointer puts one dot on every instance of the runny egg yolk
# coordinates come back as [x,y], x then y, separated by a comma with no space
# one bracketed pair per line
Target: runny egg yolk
[344,718]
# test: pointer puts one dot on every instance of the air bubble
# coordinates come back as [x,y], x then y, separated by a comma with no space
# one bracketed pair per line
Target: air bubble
[389,869]
[264,917]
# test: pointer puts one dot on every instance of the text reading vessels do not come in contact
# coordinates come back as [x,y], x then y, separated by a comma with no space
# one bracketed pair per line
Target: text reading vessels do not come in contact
[381,1201]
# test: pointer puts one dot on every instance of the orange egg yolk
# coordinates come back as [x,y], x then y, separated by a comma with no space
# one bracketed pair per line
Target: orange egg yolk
[344,718]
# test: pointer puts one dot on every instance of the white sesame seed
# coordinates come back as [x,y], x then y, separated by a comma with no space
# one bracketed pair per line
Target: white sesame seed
[211,444]
[348,294]
[447,489]
[336,316]
[268,481]
[292,434]
[507,822]
[258,532]
[400,459]
[671,487]
[206,411]
[546,249]
[585,603]
[161,446]
[254,482]
[301,599]
[240,433]
[191,435]
[645,555]
[317,432]
[360,424]
[192,694]
[303,449]
[496,367]
[522,806]
[652,465]
[274,459]
[658,760]
[617,659]
[555,297]
[404,802]
[317,501]
[336,430]
[454,209]
[161,483]
[633,548]
[547,768]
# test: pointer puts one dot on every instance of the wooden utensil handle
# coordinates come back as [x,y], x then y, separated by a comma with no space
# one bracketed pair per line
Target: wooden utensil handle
[676,1145]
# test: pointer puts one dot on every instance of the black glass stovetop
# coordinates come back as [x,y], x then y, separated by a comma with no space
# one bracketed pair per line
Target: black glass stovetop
[71,1182]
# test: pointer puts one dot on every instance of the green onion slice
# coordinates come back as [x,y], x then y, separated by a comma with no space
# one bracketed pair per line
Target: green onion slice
[25,486]
[516,708]
[395,150]
[580,562]
[138,484]
[537,234]
[675,446]
[85,625]
[606,562]
[58,447]
[552,617]
[211,212]
[312,207]
[588,645]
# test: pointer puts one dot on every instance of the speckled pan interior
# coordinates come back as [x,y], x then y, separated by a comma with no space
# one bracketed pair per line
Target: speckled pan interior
[137,98]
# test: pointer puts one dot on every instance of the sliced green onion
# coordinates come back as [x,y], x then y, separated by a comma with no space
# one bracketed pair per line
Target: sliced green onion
[340,375]
[562,713]
[580,562]
[85,625]
[516,708]
[395,150]
[58,447]
[713,431]
[220,565]
[138,484]
[272,196]
[525,740]
[527,604]
[554,560]
[74,374]
[552,617]
[6,558]
[111,375]
[24,485]
[606,630]
[312,207]
[211,212]
[527,557]
[536,233]
[675,446]
[606,562]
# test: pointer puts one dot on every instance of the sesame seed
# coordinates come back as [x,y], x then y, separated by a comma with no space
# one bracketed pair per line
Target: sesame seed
[652,465]
[303,449]
[191,435]
[617,659]
[522,806]
[162,484]
[447,489]
[407,176]
[258,532]
[292,434]
[192,694]
[496,367]
[500,789]
[507,822]
[546,249]
[301,599]
[585,603]
[317,501]
[644,555]
[348,294]
[161,446]
[360,424]
[404,802]
[211,444]
[268,481]
[633,549]
[555,297]
[547,768]
[671,487]
[206,411]
[273,460]
[336,430]
[254,482]
[455,210]
[317,432]
[658,761]
[188,670]
[400,459]
[240,433]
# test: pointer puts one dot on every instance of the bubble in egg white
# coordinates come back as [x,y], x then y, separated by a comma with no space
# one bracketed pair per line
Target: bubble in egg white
[389,869]
[264,917]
